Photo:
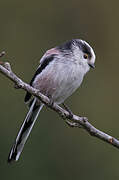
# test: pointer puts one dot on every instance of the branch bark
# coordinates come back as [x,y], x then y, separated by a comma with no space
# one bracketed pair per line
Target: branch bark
[72,121]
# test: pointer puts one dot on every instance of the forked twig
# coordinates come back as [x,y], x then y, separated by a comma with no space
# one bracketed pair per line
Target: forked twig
[72,121]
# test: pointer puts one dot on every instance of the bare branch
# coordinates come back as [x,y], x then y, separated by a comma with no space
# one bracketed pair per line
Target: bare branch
[72,121]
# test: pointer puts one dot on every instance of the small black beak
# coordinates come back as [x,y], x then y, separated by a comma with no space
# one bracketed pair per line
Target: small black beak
[91,65]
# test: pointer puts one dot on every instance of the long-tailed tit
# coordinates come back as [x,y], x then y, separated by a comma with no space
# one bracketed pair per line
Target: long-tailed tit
[59,74]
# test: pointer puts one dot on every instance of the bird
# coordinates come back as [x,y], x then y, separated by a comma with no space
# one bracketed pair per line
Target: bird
[59,74]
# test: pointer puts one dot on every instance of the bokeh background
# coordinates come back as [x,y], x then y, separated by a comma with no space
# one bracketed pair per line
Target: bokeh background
[55,151]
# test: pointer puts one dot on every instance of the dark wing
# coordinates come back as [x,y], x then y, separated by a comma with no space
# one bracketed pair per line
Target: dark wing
[45,60]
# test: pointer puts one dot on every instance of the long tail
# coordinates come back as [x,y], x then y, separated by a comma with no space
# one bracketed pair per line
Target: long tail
[24,131]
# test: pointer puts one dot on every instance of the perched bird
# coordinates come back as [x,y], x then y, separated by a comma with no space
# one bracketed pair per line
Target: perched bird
[59,74]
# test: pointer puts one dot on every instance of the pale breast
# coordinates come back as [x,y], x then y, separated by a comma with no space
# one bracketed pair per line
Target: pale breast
[59,80]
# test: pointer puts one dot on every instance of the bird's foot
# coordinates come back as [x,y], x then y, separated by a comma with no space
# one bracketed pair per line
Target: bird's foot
[51,103]
[69,122]
[69,111]
[73,124]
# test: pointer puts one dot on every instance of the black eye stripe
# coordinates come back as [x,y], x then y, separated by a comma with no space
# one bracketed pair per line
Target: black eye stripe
[84,47]
[87,51]
[67,46]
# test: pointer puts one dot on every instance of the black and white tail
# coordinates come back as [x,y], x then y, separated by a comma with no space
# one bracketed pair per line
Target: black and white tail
[24,131]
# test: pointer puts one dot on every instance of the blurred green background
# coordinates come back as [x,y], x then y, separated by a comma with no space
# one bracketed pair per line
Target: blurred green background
[54,151]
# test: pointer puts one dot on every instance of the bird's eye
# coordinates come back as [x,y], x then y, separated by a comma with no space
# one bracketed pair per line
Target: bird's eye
[85,56]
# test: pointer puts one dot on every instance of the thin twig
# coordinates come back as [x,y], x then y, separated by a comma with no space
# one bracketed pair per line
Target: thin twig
[72,121]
